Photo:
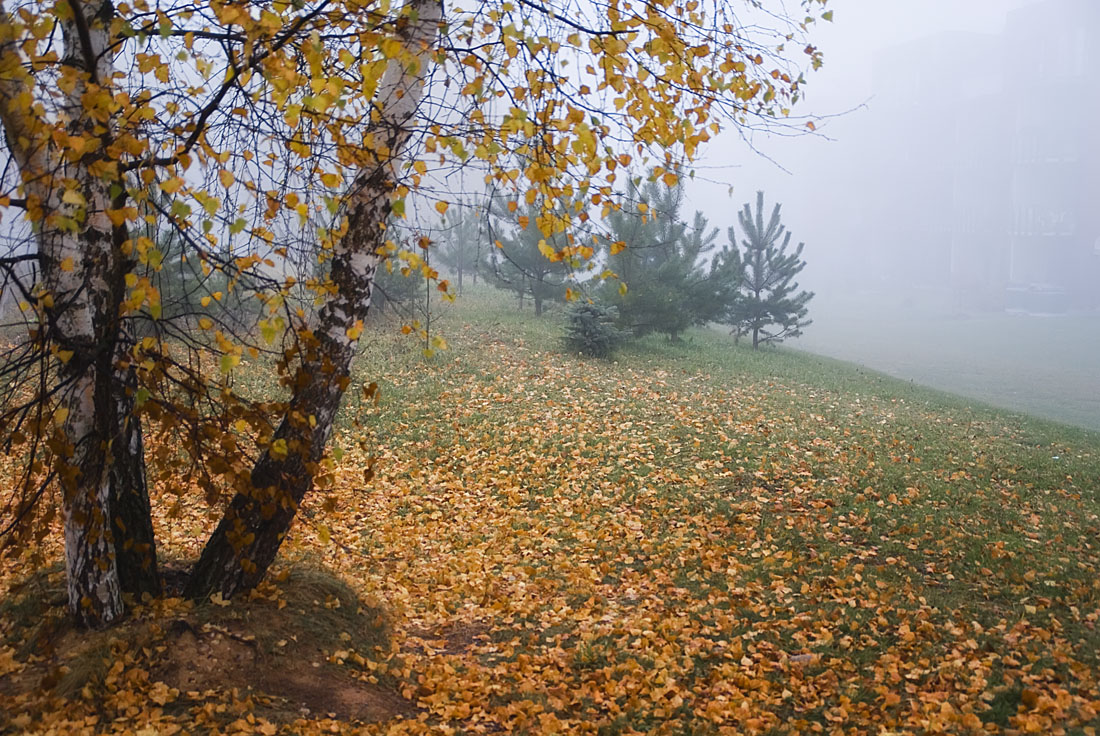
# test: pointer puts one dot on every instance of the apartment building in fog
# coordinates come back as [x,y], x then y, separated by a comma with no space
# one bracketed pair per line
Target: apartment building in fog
[993,188]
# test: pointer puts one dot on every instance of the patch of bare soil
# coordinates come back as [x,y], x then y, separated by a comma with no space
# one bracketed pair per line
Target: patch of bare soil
[297,647]
[298,683]
[456,638]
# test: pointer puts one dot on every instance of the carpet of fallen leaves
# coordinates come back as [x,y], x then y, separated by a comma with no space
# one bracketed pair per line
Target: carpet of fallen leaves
[723,543]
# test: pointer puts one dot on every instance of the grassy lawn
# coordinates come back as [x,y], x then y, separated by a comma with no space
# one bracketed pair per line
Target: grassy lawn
[1048,366]
[691,539]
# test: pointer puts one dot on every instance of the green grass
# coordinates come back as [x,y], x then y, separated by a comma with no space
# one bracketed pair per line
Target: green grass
[695,538]
[1048,366]
[869,515]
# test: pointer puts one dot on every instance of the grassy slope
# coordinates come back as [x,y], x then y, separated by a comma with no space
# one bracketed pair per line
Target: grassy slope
[646,543]
[1049,366]
[699,539]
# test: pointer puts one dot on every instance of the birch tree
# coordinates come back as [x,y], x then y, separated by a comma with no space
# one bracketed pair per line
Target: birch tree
[70,185]
[260,135]
[259,516]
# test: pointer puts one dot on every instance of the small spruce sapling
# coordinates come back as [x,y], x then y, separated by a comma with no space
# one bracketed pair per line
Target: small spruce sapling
[590,329]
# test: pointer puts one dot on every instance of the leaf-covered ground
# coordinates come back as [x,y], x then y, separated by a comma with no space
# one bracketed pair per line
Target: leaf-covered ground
[694,539]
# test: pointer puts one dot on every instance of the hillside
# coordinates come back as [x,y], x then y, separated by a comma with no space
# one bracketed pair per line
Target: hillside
[692,539]
[1048,366]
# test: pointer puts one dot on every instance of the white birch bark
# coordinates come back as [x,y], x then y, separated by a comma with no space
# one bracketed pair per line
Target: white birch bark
[76,267]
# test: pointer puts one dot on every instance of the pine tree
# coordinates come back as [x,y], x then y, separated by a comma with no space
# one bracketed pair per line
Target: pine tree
[189,287]
[399,283]
[770,307]
[396,286]
[519,259]
[464,239]
[662,260]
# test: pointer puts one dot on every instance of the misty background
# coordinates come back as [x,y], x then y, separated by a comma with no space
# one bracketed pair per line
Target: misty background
[948,201]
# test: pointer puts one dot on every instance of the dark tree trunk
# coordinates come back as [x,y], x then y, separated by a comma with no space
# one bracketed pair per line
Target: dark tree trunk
[252,529]
[131,513]
[245,542]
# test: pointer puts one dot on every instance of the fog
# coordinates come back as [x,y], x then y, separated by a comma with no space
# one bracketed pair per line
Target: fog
[948,200]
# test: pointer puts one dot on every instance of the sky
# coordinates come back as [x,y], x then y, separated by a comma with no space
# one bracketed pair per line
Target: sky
[876,199]
[859,29]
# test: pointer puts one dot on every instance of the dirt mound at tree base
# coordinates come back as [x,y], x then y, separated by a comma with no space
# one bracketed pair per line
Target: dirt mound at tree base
[304,646]
[197,661]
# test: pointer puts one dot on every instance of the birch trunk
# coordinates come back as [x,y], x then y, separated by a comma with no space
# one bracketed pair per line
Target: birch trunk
[82,289]
[248,537]
[131,512]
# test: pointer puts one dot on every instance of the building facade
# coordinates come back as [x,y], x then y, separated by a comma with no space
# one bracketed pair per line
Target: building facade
[995,184]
